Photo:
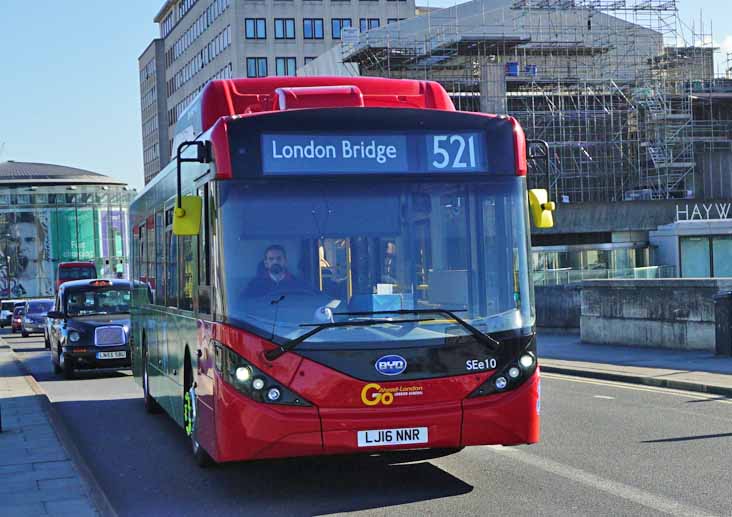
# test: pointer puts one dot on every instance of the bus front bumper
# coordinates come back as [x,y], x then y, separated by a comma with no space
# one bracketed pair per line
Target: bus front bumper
[247,430]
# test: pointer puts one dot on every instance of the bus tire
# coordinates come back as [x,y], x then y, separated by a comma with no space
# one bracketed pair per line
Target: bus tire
[151,405]
[200,456]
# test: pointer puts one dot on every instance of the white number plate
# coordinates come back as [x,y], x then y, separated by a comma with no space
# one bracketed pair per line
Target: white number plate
[111,355]
[381,437]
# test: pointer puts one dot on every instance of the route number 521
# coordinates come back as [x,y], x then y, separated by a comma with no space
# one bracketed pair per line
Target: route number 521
[453,152]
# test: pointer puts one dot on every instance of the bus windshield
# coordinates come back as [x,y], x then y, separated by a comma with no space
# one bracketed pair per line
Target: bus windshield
[298,257]
[77,272]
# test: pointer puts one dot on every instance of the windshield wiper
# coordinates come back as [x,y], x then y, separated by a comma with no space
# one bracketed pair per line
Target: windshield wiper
[491,342]
[292,343]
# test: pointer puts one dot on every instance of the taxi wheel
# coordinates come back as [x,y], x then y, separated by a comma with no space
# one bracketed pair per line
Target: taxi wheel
[46,342]
[151,405]
[68,368]
[56,364]
[190,419]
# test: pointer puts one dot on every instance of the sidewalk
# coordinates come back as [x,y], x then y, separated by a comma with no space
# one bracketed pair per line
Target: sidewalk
[37,475]
[679,369]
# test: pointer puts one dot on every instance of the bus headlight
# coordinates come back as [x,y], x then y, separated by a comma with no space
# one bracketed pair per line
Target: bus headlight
[258,383]
[527,360]
[252,382]
[274,394]
[510,374]
[243,374]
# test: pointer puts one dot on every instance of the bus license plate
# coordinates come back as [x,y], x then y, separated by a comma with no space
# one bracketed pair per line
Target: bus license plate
[381,437]
[111,355]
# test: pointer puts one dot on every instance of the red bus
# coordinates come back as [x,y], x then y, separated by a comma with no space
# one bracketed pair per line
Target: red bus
[75,271]
[340,265]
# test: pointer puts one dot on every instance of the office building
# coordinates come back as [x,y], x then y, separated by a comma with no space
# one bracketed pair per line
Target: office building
[202,40]
[153,106]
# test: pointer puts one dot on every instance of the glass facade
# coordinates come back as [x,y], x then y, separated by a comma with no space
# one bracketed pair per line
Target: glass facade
[554,265]
[45,225]
[706,256]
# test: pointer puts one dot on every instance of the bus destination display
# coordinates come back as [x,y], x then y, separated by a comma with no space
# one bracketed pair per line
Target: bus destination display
[300,154]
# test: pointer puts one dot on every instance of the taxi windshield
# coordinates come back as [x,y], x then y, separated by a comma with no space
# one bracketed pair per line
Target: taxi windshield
[90,301]
[329,252]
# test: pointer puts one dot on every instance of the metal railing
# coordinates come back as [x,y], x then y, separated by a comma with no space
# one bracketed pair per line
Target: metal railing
[569,275]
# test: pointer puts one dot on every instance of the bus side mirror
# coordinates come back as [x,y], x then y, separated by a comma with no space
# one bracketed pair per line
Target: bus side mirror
[187,218]
[541,208]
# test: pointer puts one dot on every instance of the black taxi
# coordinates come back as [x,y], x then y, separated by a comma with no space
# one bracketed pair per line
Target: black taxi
[90,325]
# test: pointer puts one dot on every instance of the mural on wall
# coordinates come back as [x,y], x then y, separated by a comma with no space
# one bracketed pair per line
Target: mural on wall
[34,241]
[25,248]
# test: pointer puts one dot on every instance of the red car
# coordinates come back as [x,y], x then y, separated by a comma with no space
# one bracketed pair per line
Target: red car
[16,322]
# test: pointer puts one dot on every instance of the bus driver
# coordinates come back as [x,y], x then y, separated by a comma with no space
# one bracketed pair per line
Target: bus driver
[275,276]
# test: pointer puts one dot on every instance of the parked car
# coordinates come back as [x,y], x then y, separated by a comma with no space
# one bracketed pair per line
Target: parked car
[34,320]
[17,320]
[75,271]
[89,326]
[6,312]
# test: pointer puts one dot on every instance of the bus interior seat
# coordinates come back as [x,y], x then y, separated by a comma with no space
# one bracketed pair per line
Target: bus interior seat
[448,288]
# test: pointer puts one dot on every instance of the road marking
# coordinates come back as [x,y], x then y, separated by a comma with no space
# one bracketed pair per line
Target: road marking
[604,397]
[636,495]
[618,384]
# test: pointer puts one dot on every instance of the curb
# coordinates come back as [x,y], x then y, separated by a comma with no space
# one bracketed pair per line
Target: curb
[637,379]
[96,494]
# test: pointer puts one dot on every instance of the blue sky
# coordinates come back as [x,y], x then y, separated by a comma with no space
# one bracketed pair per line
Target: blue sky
[69,88]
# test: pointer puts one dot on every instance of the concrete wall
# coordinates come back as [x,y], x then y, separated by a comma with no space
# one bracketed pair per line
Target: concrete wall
[558,306]
[666,313]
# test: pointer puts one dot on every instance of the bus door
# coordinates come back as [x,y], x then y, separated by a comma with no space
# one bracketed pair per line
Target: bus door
[204,349]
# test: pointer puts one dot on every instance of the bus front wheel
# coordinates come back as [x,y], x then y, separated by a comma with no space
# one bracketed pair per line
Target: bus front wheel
[190,418]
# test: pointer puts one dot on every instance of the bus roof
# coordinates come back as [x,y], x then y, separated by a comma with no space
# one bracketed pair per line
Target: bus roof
[229,97]
[76,264]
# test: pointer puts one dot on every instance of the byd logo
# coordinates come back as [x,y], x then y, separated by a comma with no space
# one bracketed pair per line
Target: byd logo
[391,365]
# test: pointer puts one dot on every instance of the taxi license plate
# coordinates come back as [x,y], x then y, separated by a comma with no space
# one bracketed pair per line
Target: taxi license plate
[111,355]
[382,437]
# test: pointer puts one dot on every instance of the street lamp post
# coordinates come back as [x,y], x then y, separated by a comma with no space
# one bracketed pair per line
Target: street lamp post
[6,237]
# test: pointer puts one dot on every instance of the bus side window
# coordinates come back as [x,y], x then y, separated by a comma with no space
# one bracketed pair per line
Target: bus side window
[187,266]
[204,271]
[150,248]
[141,261]
[171,261]
[159,259]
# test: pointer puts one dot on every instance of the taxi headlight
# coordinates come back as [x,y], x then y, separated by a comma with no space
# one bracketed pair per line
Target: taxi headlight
[74,336]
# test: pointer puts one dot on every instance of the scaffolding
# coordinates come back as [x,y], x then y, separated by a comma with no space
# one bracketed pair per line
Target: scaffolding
[609,84]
